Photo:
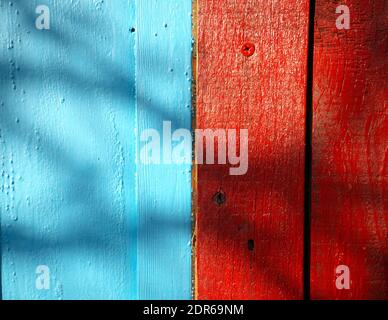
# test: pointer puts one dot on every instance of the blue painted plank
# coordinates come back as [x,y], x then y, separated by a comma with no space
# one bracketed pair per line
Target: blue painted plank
[163,87]
[67,151]
[73,201]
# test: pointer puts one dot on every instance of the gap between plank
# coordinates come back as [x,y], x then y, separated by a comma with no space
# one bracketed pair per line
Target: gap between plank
[308,154]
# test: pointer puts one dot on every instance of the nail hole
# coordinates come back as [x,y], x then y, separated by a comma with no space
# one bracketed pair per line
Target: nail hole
[219,198]
[248,49]
[133,30]
[251,245]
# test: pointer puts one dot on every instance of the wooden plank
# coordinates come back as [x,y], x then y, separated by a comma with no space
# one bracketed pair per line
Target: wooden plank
[163,82]
[249,245]
[350,152]
[67,150]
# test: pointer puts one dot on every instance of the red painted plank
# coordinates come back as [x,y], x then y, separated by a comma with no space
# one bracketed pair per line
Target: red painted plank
[350,152]
[251,246]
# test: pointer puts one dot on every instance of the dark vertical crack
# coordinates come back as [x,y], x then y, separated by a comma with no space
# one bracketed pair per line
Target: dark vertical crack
[308,154]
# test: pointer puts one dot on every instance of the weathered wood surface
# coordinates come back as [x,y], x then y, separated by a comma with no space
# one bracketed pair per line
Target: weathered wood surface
[251,246]
[350,151]
[72,196]
[163,83]
[67,151]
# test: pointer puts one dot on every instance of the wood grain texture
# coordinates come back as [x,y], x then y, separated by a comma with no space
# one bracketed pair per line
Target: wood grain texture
[264,93]
[72,195]
[163,89]
[67,184]
[350,151]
